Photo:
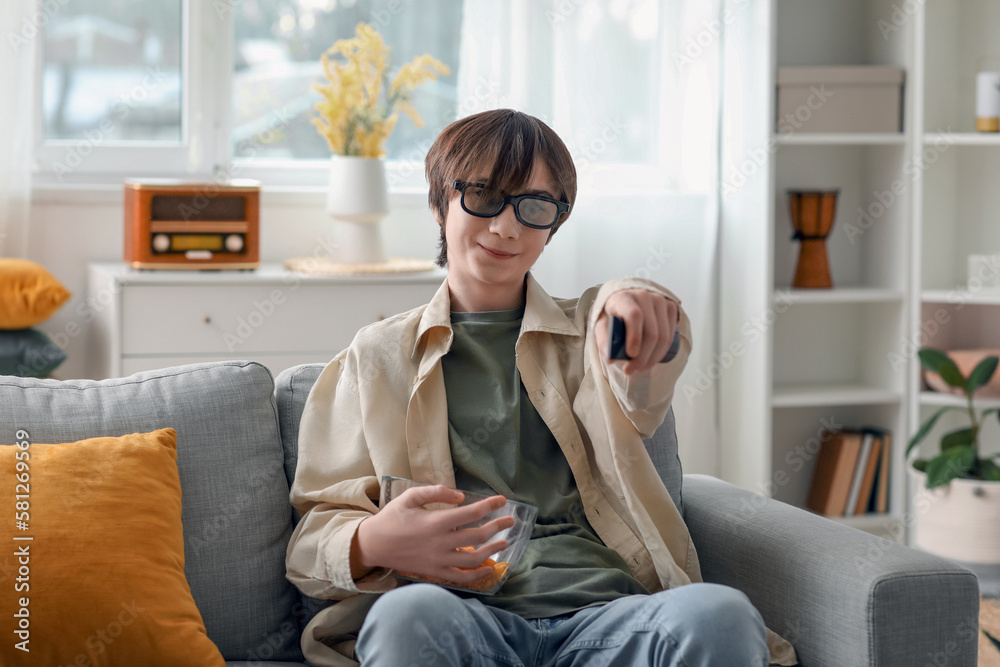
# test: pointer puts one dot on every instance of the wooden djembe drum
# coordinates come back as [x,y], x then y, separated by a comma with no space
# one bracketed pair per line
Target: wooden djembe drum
[813,212]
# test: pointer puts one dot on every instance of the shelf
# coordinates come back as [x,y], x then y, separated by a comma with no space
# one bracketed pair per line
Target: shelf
[964,138]
[982,297]
[837,295]
[841,139]
[881,524]
[939,399]
[811,395]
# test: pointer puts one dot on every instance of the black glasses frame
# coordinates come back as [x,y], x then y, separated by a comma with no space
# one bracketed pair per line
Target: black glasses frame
[561,206]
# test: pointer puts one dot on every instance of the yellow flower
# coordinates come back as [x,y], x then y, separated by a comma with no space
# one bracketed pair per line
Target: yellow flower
[360,105]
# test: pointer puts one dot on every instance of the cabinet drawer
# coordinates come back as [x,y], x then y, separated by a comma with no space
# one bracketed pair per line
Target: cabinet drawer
[238,320]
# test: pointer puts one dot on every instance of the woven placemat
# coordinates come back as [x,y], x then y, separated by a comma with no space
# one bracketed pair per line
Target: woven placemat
[327,267]
[989,623]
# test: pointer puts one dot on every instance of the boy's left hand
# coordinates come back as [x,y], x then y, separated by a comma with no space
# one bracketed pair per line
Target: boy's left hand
[650,322]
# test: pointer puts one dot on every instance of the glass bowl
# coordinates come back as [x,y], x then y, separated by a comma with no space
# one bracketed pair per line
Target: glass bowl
[504,561]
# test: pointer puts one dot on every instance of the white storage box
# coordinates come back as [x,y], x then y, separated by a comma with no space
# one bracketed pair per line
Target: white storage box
[840,99]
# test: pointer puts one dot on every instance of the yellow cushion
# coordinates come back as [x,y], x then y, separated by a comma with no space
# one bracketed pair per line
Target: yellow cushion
[103,575]
[28,294]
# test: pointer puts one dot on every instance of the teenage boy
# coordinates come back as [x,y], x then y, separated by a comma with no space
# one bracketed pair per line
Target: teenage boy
[498,388]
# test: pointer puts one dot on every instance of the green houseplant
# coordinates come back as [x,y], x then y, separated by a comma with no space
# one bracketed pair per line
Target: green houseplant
[959,457]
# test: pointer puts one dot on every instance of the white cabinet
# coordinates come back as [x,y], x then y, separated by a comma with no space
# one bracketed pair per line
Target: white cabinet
[912,206]
[151,319]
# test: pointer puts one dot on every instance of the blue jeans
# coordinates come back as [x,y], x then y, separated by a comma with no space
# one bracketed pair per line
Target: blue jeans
[697,625]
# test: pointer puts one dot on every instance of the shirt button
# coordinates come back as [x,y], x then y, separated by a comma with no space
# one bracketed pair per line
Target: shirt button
[416,379]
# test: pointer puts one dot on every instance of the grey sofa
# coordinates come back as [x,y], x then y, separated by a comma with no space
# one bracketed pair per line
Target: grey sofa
[842,596]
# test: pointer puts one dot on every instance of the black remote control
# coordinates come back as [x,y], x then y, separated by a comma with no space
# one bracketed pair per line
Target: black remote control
[616,341]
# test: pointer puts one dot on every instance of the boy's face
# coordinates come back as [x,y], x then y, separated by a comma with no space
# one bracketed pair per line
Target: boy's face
[489,257]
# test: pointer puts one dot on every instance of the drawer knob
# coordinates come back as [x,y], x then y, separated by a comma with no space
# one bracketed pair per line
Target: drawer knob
[207,319]
[379,318]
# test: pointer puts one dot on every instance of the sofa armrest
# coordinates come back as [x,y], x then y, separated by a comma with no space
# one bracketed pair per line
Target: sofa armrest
[840,595]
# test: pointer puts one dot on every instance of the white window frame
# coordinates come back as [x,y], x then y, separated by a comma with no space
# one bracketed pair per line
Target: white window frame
[205,149]
[205,53]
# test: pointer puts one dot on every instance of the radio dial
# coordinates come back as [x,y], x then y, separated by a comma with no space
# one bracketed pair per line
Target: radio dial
[161,243]
[234,243]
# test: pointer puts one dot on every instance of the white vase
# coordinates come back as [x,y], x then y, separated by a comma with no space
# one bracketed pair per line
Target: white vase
[358,199]
[959,521]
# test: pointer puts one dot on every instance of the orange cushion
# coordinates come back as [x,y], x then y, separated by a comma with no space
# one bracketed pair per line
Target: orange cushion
[103,573]
[28,294]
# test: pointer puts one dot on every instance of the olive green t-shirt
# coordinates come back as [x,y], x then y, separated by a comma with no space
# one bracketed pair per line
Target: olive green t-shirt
[500,444]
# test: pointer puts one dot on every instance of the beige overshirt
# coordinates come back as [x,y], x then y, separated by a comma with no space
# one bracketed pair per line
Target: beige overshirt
[379,408]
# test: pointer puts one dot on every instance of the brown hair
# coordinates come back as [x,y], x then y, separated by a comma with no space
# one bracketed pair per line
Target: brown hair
[504,143]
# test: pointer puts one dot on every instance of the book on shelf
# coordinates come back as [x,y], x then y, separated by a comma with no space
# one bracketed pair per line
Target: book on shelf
[867,466]
[881,495]
[834,471]
[851,475]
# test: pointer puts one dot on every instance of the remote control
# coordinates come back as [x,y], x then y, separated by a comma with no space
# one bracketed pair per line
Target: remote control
[616,341]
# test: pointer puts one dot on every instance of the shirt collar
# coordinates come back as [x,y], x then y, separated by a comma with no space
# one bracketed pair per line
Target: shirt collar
[436,314]
[541,313]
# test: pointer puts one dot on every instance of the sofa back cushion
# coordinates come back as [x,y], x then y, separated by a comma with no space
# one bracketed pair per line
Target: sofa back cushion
[292,388]
[236,516]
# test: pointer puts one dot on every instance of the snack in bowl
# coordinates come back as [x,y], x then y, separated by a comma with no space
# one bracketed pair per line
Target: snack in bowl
[502,562]
[487,583]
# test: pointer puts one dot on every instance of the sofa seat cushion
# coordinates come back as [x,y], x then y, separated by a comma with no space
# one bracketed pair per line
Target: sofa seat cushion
[236,515]
[100,537]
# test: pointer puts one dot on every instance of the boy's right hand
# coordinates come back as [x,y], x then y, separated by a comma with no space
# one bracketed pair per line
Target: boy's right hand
[405,536]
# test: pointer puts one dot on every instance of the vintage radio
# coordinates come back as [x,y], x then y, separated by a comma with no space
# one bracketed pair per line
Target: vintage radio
[192,225]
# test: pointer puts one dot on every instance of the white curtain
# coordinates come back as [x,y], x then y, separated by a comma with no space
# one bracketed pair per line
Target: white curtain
[632,86]
[19,28]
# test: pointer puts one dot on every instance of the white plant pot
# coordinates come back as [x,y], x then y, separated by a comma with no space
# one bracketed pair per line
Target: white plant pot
[959,521]
[358,199]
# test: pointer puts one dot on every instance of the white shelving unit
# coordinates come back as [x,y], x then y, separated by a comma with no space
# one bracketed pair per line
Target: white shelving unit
[912,206]
[823,358]
[956,202]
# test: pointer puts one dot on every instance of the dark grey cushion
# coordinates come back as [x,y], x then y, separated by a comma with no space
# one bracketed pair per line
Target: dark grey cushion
[237,519]
[28,353]
[662,449]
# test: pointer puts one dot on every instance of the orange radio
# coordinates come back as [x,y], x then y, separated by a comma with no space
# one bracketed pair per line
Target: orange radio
[188,225]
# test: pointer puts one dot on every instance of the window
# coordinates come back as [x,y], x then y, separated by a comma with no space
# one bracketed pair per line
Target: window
[196,87]
[276,60]
[113,70]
